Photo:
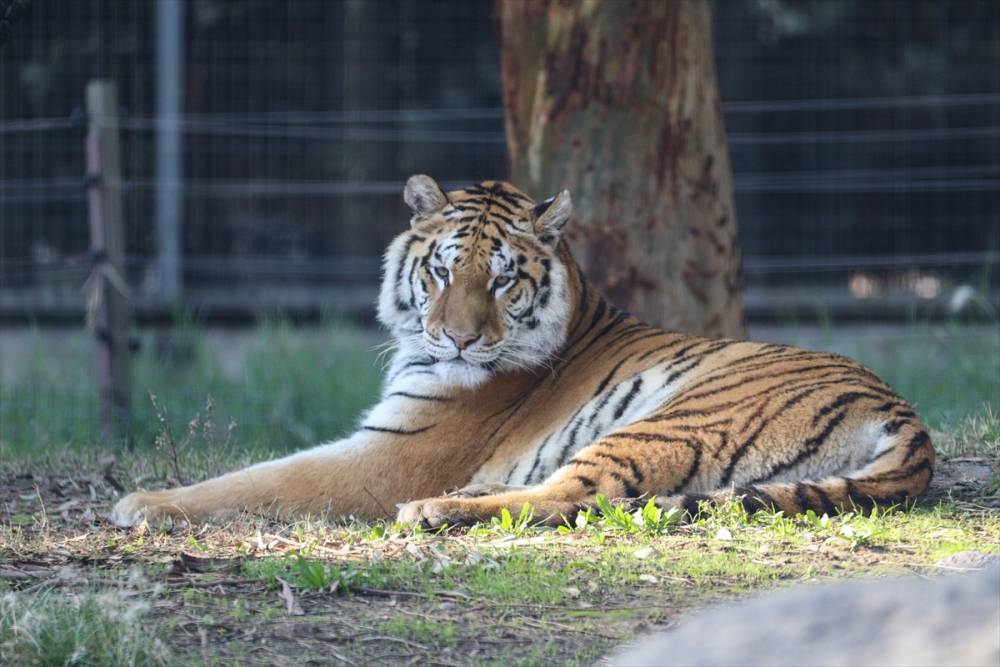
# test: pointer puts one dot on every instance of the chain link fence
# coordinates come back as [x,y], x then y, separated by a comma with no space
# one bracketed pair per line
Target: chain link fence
[265,143]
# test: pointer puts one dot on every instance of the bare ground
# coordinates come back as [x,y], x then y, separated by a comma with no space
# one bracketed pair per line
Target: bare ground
[540,597]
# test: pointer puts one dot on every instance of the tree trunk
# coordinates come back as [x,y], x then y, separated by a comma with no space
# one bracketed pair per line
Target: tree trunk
[617,101]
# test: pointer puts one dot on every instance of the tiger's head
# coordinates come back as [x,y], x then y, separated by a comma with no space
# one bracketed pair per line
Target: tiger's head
[478,281]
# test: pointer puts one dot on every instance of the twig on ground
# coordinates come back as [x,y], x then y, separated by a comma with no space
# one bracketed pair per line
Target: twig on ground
[380,505]
[398,640]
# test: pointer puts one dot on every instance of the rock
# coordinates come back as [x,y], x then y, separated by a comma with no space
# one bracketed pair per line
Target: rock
[969,560]
[950,620]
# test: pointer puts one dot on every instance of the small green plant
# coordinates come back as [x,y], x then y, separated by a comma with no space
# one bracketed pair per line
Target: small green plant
[777,523]
[615,517]
[303,572]
[506,524]
[819,523]
[654,520]
[650,519]
[317,576]
[197,544]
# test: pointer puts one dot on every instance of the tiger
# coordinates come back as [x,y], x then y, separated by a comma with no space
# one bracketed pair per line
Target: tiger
[514,383]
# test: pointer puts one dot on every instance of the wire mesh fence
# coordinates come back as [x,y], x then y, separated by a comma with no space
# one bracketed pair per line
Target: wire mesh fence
[864,134]
[867,162]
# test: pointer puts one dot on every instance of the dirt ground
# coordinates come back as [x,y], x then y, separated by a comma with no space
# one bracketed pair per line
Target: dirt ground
[215,602]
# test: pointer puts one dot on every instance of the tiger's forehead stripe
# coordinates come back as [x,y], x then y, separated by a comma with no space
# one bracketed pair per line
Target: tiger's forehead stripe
[492,203]
[492,221]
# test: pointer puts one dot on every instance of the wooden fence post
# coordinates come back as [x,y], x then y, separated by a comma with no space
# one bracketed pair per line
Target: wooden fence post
[108,311]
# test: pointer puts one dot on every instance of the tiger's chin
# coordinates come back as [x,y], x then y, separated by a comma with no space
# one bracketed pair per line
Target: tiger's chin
[460,373]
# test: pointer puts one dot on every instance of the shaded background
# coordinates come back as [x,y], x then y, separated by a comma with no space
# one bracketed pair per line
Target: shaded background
[864,134]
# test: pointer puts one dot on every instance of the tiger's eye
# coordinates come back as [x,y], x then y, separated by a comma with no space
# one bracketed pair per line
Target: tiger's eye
[441,271]
[500,281]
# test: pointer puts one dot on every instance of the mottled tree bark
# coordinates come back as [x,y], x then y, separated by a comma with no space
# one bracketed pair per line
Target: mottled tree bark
[617,101]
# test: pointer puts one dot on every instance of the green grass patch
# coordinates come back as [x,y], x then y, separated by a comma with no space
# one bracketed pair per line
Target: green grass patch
[427,630]
[948,372]
[292,388]
[518,576]
[277,388]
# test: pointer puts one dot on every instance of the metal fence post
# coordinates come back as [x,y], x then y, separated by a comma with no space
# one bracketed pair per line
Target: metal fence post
[108,308]
[169,147]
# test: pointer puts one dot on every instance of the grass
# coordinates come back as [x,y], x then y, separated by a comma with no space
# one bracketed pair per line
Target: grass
[947,371]
[292,388]
[289,388]
[499,593]
[974,435]
[101,628]
[253,591]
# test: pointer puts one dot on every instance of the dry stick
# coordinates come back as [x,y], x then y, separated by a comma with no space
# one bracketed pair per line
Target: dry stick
[387,638]
[429,617]
[380,506]
[16,574]
[412,594]
[217,582]
[342,658]
[544,625]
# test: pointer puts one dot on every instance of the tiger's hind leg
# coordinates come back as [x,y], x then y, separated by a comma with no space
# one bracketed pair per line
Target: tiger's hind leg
[641,460]
[684,466]
[895,476]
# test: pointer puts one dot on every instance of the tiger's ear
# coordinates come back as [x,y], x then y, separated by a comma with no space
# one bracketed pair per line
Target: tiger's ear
[551,216]
[424,196]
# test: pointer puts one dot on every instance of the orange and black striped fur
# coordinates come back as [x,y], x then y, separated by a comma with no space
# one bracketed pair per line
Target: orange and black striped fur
[514,382]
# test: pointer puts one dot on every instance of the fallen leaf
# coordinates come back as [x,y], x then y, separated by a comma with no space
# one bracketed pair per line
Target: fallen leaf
[724,534]
[292,605]
[648,578]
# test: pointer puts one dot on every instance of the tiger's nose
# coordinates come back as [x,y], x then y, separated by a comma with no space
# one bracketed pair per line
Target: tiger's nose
[461,342]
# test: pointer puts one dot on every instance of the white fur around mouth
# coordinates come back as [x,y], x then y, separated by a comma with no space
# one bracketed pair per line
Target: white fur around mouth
[462,373]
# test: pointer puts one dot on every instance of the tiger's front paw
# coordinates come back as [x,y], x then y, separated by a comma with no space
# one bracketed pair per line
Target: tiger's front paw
[436,512]
[141,506]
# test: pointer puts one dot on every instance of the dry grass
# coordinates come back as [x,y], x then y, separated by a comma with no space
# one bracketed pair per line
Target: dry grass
[976,435]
